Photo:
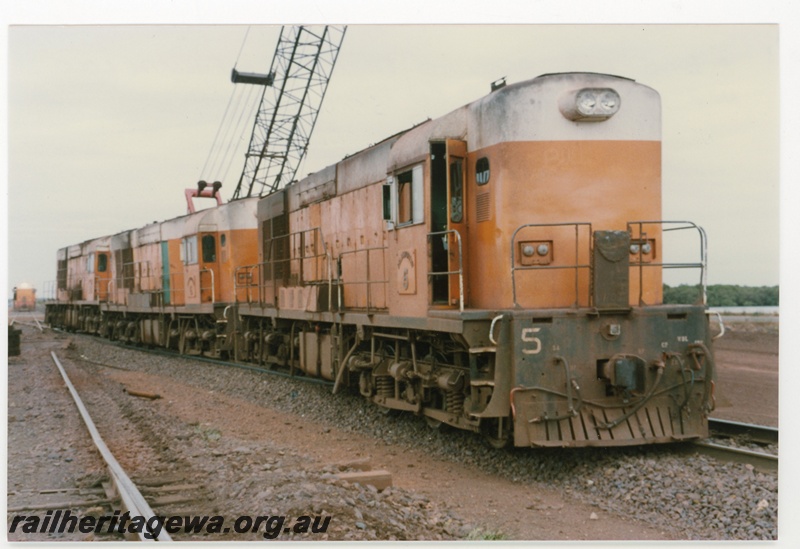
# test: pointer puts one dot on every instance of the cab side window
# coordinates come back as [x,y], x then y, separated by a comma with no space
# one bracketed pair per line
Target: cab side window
[189,250]
[209,248]
[404,199]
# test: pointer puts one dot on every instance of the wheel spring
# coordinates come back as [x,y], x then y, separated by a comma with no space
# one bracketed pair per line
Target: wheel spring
[385,386]
[454,401]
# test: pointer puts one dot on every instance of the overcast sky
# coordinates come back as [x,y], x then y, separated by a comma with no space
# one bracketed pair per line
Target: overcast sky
[108,125]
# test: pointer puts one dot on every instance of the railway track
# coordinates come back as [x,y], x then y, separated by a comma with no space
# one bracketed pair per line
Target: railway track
[15,319]
[724,444]
[758,434]
[130,497]
[740,443]
[719,480]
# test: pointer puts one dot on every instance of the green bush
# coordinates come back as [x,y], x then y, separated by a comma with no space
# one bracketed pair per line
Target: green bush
[724,295]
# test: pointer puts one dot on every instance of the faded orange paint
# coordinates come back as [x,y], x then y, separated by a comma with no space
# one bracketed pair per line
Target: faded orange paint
[24,298]
[402,242]
[605,183]
[102,278]
[241,248]
[352,226]
[147,267]
[176,282]
[457,152]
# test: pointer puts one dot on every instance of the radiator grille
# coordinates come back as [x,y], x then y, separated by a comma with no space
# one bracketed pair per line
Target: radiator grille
[482,207]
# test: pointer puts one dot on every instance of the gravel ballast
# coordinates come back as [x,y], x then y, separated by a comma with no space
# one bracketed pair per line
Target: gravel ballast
[692,496]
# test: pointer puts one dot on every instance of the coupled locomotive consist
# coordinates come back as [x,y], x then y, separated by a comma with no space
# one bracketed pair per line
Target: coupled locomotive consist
[497,269]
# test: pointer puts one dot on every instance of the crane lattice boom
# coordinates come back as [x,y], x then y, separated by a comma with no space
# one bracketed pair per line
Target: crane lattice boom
[293,93]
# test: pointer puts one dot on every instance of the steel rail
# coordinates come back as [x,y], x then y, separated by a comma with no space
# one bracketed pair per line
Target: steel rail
[132,499]
[760,460]
[15,320]
[760,434]
[757,434]
[36,320]
[23,323]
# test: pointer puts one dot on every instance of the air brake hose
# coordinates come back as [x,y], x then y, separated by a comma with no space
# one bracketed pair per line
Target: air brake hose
[343,365]
[572,383]
[659,373]
[708,394]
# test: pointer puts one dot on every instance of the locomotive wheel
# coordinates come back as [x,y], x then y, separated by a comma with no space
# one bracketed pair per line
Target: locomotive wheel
[388,412]
[497,432]
[435,424]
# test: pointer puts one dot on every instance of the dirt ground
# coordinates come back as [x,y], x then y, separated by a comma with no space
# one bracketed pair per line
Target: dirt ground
[747,374]
[747,390]
[515,510]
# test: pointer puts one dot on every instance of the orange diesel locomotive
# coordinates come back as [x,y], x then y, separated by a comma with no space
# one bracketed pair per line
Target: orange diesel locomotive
[498,269]
[24,297]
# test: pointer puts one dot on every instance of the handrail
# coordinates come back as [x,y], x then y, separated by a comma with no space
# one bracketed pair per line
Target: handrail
[249,284]
[97,286]
[136,280]
[686,225]
[213,296]
[367,282]
[459,272]
[49,290]
[143,280]
[269,267]
[576,266]
[176,290]
[114,283]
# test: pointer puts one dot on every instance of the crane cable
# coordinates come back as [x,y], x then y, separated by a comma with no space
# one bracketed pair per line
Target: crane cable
[225,122]
[241,48]
[246,114]
[224,142]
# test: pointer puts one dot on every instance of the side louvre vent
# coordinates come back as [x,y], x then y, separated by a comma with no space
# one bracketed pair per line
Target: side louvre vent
[482,207]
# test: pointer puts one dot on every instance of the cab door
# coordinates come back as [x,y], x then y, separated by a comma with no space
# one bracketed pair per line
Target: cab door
[165,272]
[191,270]
[209,266]
[102,274]
[448,223]
[456,219]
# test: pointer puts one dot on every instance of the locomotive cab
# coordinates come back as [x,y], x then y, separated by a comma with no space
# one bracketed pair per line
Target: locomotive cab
[545,240]
[573,244]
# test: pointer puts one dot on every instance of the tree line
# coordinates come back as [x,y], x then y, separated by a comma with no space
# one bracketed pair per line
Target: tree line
[724,295]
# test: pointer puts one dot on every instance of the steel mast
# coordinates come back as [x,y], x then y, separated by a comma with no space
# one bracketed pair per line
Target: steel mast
[293,92]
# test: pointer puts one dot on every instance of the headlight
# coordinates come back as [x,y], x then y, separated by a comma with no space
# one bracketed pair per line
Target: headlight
[589,104]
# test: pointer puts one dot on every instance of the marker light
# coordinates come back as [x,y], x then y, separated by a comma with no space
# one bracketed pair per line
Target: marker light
[589,104]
